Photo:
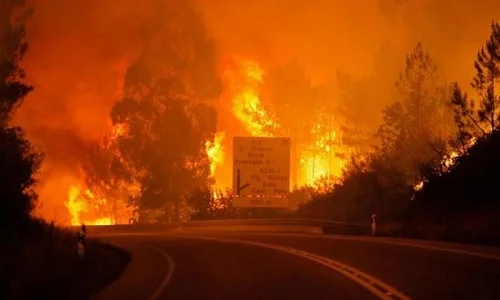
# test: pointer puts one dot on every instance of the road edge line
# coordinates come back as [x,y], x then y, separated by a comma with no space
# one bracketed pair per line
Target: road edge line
[383,240]
[428,247]
[168,277]
[376,286]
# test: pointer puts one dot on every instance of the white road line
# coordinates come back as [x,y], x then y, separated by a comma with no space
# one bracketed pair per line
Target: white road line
[428,247]
[372,284]
[169,275]
[338,237]
[390,242]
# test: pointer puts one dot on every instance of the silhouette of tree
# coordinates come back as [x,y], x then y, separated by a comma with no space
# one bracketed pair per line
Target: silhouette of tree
[421,118]
[464,111]
[18,159]
[472,121]
[164,109]
[487,76]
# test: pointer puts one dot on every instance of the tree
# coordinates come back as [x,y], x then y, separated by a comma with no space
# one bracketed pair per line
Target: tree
[473,122]
[13,47]
[165,108]
[487,76]
[464,111]
[360,97]
[18,159]
[291,96]
[421,119]
[295,103]
[109,178]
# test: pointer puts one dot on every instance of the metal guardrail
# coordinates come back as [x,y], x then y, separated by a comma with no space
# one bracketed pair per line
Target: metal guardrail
[283,221]
[326,225]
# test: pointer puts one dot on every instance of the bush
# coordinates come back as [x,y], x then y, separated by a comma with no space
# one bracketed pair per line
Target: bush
[18,165]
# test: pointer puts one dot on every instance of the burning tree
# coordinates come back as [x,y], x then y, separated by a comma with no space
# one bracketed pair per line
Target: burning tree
[109,179]
[164,108]
[317,150]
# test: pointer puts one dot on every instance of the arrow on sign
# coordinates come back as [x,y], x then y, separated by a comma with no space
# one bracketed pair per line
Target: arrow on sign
[238,182]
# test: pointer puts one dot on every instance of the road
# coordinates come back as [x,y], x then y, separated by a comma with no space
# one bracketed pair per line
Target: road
[259,265]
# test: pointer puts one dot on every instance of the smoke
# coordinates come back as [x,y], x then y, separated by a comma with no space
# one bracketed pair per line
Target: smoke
[79,52]
[77,59]
[330,35]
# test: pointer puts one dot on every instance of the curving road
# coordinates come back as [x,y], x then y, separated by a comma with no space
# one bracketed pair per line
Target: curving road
[236,265]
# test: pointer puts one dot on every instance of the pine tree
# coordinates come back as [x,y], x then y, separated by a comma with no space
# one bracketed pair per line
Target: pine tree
[472,121]
[420,119]
[464,111]
[487,77]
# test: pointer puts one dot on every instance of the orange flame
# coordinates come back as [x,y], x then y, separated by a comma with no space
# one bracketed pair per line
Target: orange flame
[215,152]
[244,83]
[447,162]
[317,153]
[324,157]
[77,206]
[95,207]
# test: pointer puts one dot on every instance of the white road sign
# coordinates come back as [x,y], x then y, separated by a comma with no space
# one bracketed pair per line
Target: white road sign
[261,169]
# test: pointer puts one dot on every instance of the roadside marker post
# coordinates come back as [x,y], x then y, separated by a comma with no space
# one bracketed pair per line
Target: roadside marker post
[81,241]
[374,224]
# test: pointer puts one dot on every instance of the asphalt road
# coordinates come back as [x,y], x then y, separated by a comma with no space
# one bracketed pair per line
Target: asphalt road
[235,265]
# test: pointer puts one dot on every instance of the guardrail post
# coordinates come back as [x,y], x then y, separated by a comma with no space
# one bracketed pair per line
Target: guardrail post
[374,224]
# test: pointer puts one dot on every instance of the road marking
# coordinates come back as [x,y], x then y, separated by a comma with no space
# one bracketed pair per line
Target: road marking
[429,247]
[372,284]
[169,275]
[360,239]
[385,241]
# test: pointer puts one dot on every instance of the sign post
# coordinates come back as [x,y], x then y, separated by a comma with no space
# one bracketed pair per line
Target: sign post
[261,171]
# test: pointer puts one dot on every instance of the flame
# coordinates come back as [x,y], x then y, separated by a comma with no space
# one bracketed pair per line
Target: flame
[87,207]
[215,151]
[96,206]
[77,206]
[244,83]
[317,154]
[447,162]
[101,222]
[318,159]
[74,205]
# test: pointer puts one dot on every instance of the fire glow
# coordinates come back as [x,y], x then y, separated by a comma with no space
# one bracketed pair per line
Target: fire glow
[315,160]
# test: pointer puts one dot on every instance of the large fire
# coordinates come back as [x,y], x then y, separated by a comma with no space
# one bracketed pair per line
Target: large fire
[319,154]
[316,155]
[92,208]
[215,152]
[105,205]
[77,207]
[244,83]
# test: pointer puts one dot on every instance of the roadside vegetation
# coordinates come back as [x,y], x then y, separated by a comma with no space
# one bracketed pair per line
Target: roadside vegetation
[434,172]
